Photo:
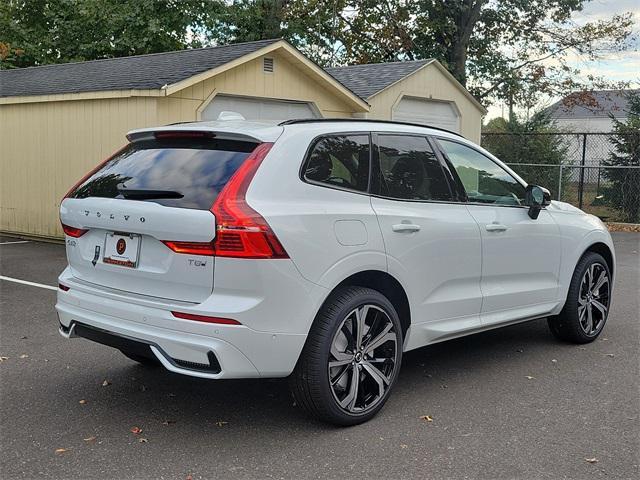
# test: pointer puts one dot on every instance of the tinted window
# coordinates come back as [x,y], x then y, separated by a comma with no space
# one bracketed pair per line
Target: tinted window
[196,169]
[409,169]
[341,160]
[483,179]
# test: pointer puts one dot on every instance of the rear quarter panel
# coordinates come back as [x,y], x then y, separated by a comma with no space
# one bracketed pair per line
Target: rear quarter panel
[329,233]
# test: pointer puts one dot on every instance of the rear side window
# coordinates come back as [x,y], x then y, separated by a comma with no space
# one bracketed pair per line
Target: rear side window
[410,170]
[178,172]
[340,161]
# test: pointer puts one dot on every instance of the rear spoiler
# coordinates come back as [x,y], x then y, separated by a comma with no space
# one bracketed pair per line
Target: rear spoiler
[221,131]
[138,136]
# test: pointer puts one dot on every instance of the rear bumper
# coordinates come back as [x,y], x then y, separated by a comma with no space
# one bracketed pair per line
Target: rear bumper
[182,346]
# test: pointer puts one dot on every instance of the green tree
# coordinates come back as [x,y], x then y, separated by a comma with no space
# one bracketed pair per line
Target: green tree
[37,32]
[499,49]
[624,191]
[517,142]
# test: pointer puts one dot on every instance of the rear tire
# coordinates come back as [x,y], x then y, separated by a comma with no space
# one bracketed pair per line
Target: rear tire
[146,361]
[351,359]
[586,309]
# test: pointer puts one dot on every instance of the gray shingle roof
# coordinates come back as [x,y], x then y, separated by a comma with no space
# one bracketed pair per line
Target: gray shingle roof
[367,80]
[138,72]
[599,103]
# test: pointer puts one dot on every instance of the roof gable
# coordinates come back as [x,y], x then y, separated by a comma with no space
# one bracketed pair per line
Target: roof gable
[138,72]
[368,79]
[596,104]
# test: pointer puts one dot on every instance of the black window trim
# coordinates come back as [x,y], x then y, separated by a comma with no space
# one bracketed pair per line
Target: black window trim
[376,161]
[437,138]
[307,158]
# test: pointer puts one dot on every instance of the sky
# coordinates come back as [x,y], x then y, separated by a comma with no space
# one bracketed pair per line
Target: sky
[617,66]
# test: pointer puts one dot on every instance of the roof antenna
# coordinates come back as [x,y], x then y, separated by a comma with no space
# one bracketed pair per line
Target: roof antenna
[227,116]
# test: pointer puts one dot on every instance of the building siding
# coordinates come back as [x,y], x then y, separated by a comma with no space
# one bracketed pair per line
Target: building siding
[249,80]
[429,82]
[47,143]
[46,146]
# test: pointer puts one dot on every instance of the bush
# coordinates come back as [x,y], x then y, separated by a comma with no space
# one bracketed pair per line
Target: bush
[624,191]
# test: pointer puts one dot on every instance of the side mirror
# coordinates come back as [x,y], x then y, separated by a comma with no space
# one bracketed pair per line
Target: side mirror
[536,198]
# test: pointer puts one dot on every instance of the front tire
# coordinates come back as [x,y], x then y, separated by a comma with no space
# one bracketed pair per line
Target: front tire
[351,359]
[586,309]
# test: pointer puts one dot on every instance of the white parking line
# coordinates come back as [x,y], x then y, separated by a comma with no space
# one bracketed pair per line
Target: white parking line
[24,282]
[17,241]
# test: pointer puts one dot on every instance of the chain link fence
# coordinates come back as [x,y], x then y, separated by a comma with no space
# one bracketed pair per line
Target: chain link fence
[578,168]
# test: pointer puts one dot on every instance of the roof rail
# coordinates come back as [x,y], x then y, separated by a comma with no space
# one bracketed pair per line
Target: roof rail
[296,121]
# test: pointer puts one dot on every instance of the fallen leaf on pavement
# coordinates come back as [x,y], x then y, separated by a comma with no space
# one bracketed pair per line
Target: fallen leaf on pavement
[142,440]
[106,383]
[592,460]
[221,423]
[189,477]
[168,422]
[610,355]
[427,418]
[554,361]
[529,377]
[136,430]
[2,359]
[90,439]
[24,355]
[60,451]
[402,445]
[82,402]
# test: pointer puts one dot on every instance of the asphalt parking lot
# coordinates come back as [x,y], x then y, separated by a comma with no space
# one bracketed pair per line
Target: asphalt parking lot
[512,403]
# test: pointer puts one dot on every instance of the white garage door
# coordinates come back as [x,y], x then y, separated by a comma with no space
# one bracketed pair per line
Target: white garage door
[427,112]
[258,108]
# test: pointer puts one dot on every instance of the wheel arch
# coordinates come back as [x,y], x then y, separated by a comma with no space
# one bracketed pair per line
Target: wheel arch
[387,285]
[604,250]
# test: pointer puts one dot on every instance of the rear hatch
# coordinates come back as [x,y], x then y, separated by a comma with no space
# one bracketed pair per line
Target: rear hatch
[142,223]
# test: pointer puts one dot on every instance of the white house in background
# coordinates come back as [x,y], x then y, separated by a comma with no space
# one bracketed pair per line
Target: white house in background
[590,112]
[588,116]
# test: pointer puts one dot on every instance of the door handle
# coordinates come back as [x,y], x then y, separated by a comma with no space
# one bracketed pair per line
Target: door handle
[405,227]
[496,227]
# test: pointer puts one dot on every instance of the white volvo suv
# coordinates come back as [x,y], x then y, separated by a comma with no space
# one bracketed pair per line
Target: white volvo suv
[320,250]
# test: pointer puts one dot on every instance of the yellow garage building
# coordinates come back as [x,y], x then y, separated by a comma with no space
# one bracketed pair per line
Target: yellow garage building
[58,121]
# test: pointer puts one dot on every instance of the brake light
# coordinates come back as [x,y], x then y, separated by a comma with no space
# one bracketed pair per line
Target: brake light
[241,231]
[183,134]
[73,231]
[205,318]
[192,248]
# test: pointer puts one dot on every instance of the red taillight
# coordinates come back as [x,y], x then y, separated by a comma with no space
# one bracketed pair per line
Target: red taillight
[205,318]
[73,231]
[62,287]
[241,231]
[193,248]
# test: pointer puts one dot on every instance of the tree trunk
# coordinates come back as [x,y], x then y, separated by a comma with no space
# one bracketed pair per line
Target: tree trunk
[466,18]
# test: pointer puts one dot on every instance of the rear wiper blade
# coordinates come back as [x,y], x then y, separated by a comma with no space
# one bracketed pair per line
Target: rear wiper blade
[145,194]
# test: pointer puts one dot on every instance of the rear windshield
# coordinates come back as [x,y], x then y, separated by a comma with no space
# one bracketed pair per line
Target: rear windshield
[185,173]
